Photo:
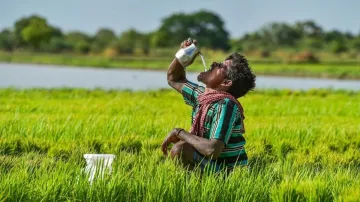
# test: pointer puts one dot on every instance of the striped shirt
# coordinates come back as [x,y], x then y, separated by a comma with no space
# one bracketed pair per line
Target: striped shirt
[222,122]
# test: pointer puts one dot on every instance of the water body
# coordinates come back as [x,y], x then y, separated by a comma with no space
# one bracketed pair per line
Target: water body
[51,76]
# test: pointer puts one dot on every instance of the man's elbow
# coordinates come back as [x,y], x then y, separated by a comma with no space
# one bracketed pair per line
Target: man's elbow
[212,153]
[214,149]
[170,83]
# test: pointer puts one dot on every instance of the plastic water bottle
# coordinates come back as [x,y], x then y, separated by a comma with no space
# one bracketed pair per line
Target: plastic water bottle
[98,164]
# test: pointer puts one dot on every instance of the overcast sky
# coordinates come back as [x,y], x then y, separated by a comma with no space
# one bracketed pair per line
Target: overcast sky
[145,15]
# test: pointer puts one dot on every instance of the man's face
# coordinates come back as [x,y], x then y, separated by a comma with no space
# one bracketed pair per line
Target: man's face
[216,75]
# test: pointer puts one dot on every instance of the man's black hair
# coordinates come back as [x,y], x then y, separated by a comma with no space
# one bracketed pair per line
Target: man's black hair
[241,75]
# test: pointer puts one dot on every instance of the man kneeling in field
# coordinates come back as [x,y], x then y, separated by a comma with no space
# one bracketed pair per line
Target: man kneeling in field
[216,139]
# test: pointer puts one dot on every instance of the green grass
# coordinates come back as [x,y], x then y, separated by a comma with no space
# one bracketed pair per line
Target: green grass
[303,146]
[329,70]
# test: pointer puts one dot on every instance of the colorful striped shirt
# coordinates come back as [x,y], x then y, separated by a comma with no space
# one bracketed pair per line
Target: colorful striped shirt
[222,122]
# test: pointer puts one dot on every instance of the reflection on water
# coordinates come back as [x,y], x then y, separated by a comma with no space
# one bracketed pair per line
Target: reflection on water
[49,76]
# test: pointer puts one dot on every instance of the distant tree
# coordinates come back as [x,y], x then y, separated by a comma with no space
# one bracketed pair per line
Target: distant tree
[78,41]
[303,35]
[75,36]
[82,47]
[102,38]
[338,47]
[160,39]
[205,26]
[20,25]
[33,31]
[309,29]
[279,35]
[334,35]
[355,43]
[251,42]
[55,45]
[210,29]
[18,28]
[7,40]
[349,36]
[128,40]
[56,32]
[144,43]
[310,43]
[236,45]
[132,39]
[36,32]
[56,42]
[113,49]
[96,47]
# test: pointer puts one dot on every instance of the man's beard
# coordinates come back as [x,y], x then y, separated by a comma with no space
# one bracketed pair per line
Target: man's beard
[200,77]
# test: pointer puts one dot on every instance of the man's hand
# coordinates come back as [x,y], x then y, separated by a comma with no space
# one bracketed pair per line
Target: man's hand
[187,43]
[176,75]
[171,138]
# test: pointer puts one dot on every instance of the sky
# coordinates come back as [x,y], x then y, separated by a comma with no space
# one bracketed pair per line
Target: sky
[239,16]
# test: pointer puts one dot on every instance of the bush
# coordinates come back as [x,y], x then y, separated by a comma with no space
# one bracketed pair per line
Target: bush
[304,57]
[338,47]
[110,52]
[82,47]
[55,45]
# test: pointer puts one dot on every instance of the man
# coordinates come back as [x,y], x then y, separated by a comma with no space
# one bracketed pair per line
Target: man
[216,139]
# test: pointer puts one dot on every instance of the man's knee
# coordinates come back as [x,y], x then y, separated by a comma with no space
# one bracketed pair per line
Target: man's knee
[176,150]
[184,151]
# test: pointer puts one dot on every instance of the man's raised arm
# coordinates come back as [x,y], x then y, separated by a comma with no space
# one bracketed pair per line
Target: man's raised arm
[176,75]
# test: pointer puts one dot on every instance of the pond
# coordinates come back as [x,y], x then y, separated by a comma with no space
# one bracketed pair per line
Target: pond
[51,76]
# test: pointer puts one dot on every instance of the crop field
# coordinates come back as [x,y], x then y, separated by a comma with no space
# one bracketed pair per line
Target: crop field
[302,146]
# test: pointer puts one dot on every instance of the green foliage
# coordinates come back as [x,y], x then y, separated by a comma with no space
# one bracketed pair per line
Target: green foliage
[36,32]
[131,40]
[355,44]
[128,41]
[338,47]
[79,42]
[312,44]
[7,40]
[96,47]
[280,34]
[33,33]
[20,25]
[104,36]
[302,35]
[296,151]
[102,39]
[82,46]
[56,45]
[203,25]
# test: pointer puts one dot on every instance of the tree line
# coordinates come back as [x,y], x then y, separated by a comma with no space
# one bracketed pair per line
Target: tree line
[34,33]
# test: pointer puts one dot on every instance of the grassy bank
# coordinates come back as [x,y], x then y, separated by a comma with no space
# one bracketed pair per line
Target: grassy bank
[302,146]
[328,70]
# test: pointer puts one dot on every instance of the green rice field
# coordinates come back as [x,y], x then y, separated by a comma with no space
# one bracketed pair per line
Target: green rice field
[302,146]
